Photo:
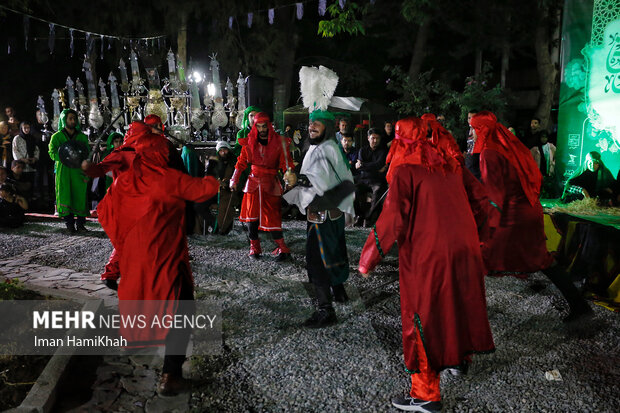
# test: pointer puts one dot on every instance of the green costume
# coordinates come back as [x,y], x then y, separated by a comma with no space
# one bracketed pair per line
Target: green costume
[245,128]
[191,161]
[70,182]
[108,150]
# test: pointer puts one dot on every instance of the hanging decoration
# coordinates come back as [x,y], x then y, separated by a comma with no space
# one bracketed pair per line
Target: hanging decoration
[52,38]
[241,102]
[250,16]
[322,7]
[26,30]
[71,41]
[271,13]
[71,94]
[56,105]
[90,37]
[300,10]
[116,107]
[219,118]
[87,43]
[230,22]
[342,3]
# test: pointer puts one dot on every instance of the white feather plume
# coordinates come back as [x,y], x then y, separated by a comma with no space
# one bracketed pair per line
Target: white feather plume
[317,87]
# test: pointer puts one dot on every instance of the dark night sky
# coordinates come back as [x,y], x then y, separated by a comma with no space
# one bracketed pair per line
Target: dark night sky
[27,74]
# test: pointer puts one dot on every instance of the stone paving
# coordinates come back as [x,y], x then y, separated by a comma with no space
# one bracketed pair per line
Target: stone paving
[123,383]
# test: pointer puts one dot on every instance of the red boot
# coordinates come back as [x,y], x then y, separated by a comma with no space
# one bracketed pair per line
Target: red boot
[282,252]
[255,250]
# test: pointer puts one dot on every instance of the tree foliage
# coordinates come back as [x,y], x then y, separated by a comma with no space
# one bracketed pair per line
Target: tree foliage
[346,20]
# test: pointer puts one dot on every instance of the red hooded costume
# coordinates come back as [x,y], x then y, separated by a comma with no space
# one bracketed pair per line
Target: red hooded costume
[512,181]
[138,137]
[443,304]
[262,200]
[143,214]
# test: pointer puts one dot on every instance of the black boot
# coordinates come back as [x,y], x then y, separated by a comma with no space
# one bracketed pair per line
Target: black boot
[340,294]
[112,284]
[578,305]
[79,225]
[70,224]
[325,315]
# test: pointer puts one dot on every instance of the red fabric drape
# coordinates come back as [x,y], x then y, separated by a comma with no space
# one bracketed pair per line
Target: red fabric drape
[495,136]
[412,147]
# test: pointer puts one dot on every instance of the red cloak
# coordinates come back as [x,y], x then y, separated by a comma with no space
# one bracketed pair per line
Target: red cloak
[263,192]
[440,265]
[143,213]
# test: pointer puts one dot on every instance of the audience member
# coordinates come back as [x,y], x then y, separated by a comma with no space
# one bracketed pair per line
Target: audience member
[343,127]
[472,160]
[12,120]
[22,184]
[371,167]
[12,207]
[544,155]
[6,152]
[219,211]
[4,174]
[25,149]
[388,129]
[594,179]
[350,153]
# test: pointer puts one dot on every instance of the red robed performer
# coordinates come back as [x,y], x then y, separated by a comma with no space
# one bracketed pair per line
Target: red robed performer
[138,135]
[143,213]
[443,304]
[261,207]
[513,181]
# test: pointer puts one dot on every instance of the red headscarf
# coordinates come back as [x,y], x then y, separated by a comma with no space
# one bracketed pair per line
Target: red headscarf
[154,121]
[495,136]
[141,139]
[252,139]
[412,147]
[443,139]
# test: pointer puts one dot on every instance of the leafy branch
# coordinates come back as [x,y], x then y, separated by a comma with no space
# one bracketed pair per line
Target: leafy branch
[343,21]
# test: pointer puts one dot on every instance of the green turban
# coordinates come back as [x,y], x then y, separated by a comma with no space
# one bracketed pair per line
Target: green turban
[324,116]
[62,121]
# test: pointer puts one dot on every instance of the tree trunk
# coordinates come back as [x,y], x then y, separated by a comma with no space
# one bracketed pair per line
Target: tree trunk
[505,62]
[478,68]
[547,70]
[285,71]
[419,48]
[182,41]
[506,52]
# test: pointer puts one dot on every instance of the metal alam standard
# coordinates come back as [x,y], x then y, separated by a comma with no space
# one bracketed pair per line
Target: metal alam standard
[176,100]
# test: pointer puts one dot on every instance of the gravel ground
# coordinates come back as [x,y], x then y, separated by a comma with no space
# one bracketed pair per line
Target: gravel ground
[269,363]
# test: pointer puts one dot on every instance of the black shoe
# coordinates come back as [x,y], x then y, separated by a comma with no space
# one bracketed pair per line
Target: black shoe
[577,314]
[255,256]
[283,256]
[171,385]
[321,318]
[460,370]
[359,221]
[70,229]
[340,294]
[111,284]
[81,228]
[411,404]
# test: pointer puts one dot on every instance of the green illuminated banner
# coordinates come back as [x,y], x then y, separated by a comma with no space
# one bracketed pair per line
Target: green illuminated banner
[589,113]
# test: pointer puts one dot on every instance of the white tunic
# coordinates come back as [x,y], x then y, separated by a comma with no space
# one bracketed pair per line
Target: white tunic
[325,167]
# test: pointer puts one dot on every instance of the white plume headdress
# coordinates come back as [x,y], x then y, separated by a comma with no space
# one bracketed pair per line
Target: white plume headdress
[317,87]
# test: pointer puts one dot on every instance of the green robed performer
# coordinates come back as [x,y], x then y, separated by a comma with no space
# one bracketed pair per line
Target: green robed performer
[246,126]
[71,182]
